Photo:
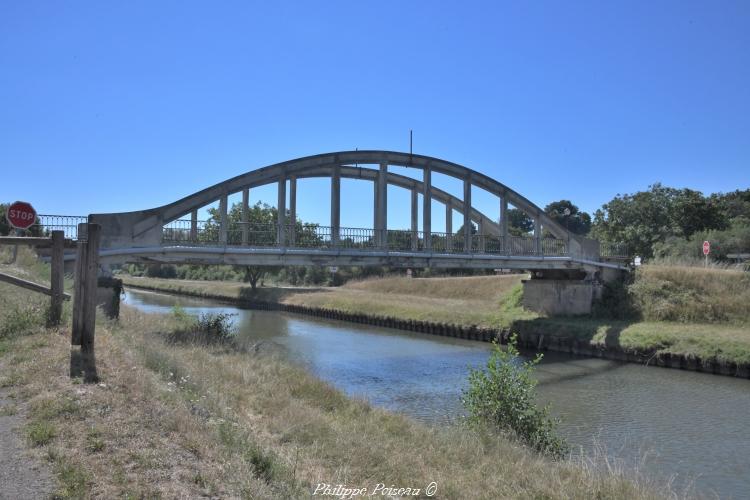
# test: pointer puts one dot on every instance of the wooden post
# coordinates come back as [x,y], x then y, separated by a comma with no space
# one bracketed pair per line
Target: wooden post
[56,280]
[89,301]
[78,286]
[84,306]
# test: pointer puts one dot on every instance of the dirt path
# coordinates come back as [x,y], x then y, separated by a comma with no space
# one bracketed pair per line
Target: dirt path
[22,476]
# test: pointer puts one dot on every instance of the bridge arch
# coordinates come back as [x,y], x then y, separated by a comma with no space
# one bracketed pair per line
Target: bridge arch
[144,228]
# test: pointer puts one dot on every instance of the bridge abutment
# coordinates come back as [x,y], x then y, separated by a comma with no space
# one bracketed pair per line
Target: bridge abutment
[560,297]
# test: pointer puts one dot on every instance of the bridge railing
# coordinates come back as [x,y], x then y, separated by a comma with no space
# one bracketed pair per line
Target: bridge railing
[185,232]
[618,251]
[67,223]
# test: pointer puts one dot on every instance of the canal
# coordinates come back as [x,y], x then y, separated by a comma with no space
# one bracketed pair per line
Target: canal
[687,426]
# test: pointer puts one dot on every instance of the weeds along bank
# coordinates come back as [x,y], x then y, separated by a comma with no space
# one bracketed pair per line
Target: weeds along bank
[174,419]
[678,316]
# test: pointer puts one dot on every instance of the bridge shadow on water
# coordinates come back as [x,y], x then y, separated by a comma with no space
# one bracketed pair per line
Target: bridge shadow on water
[572,341]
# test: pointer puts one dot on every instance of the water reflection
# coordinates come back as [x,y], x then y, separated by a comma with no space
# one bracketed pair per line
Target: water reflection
[692,424]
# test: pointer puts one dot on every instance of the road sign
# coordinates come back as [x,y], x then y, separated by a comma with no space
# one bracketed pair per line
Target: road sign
[706,248]
[637,261]
[21,215]
[333,269]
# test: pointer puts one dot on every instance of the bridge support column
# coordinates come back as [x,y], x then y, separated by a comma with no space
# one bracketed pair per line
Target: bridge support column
[427,208]
[449,226]
[537,235]
[194,226]
[414,220]
[504,224]
[245,215]
[467,215]
[281,211]
[381,206]
[480,232]
[292,223]
[335,205]
[223,220]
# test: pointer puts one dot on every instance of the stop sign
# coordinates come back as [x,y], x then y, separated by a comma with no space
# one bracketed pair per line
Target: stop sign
[21,215]
[706,247]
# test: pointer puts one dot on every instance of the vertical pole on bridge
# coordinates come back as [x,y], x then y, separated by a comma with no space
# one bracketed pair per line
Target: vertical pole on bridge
[504,223]
[245,216]
[427,208]
[335,204]
[537,234]
[467,215]
[292,209]
[281,211]
[223,220]
[381,222]
[414,220]
[449,225]
[193,226]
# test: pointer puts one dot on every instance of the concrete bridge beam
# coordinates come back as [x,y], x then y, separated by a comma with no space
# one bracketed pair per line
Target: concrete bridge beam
[427,208]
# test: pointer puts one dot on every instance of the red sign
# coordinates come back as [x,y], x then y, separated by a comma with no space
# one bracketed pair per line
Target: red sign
[706,247]
[21,215]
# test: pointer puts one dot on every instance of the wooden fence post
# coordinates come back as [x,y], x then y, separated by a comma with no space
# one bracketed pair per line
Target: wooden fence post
[84,314]
[56,280]
[78,286]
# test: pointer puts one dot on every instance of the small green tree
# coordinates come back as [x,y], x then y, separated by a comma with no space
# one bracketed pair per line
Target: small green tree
[503,396]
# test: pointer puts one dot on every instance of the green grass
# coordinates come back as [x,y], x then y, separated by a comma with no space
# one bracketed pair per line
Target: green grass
[40,432]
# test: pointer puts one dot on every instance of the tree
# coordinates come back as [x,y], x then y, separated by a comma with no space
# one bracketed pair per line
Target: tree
[565,213]
[519,224]
[262,231]
[646,218]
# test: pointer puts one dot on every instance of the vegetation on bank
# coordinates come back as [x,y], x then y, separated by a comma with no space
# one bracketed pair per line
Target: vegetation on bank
[679,310]
[174,418]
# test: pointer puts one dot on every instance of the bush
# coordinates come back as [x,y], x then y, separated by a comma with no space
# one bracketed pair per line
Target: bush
[207,329]
[503,397]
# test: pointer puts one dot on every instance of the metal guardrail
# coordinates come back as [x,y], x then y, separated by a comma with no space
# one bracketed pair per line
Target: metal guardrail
[182,232]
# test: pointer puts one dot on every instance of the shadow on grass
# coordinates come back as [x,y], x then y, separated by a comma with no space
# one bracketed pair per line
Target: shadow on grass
[273,294]
[599,331]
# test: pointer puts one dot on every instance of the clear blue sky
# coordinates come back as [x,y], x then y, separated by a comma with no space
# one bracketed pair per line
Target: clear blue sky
[114,106]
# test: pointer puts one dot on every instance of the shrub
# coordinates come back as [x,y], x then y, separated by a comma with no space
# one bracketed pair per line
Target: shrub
[207,329]
[503,397]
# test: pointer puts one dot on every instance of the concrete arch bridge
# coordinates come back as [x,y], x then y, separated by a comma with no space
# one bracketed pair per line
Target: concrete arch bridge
[173,234]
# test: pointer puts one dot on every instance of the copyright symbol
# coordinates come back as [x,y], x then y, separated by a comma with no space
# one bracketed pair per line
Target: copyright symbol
[431,489]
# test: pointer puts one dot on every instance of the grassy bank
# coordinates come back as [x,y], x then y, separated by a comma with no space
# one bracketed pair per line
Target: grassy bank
[175,420]
[692,312]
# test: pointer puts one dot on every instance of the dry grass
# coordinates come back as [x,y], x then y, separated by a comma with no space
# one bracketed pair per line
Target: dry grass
[181,421]
[471,300]
[693,294]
